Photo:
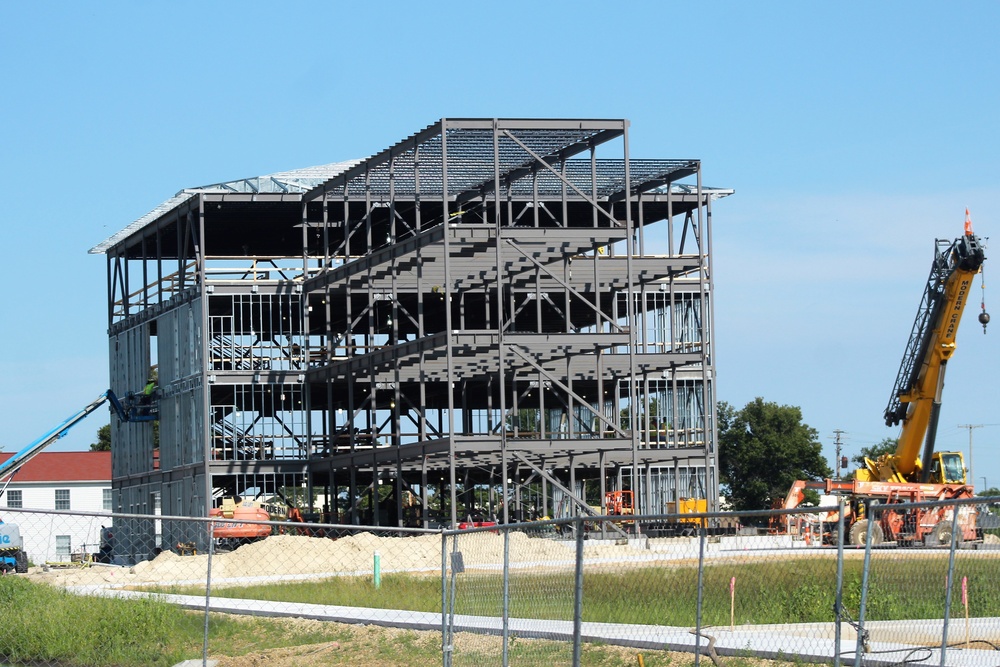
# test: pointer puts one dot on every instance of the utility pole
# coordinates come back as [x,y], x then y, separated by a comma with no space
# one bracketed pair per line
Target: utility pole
[836,462]
[970,427]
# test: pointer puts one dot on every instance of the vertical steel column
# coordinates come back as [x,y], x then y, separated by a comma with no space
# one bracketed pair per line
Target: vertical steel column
[670,222]
[110,268]
[206,390]
[572,487]
[446,223]
[159,266]
[425,503]
[603,490]
[642,224]
[325,258]
[376,483]
[303,315]
[399,490]
[145,277]
[396,407]
[708,344]
[501,323]
[648,470]
[352,493]
[630,316]
[183,236]
[707,375]
[421,332]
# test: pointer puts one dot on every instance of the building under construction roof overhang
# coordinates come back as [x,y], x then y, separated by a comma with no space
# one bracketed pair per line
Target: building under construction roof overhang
[505,317]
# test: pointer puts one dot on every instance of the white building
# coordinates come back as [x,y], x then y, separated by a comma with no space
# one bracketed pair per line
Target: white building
[59,481]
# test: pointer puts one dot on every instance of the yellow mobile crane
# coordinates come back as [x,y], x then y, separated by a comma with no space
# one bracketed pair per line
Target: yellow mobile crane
[906,475]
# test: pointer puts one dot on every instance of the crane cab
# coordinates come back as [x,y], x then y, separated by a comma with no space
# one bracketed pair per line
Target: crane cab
[947,468]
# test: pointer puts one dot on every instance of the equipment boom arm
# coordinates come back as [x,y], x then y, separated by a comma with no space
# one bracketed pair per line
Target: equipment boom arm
[11,465]
[916,396]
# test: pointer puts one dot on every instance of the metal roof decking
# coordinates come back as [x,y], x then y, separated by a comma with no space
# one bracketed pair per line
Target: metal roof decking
[466,149]
[293,181]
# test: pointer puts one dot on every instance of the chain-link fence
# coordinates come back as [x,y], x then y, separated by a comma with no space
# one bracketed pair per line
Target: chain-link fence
[200,573]
[906,583]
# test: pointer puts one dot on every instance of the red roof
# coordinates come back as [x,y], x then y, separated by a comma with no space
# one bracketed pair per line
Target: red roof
[64,467]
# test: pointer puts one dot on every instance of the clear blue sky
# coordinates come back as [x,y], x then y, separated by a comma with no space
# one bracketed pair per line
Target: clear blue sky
[854,135]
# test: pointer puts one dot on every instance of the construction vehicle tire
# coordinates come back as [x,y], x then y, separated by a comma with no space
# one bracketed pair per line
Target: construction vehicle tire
[941,535]
[21,563]
[860,529]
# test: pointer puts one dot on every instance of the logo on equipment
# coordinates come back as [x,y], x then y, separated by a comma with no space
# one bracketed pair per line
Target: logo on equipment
[4,539]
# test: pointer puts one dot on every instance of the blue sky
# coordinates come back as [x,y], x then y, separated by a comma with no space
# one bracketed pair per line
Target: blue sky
[854,135]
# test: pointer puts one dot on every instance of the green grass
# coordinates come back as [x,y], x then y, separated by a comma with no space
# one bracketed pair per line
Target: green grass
[767,591]
[45,624]
[42,624]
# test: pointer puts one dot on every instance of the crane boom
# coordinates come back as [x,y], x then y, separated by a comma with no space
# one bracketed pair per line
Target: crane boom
[900,478]
[916,395]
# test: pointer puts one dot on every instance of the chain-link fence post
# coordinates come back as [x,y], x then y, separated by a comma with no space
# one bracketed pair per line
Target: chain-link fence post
[506,596]
[951,574]
[210,526]
[457,567]
[701,595]
[578,592]
[839,595]
[445,641]
[871,519]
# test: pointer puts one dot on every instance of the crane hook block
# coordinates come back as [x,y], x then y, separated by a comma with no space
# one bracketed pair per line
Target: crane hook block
[984,319]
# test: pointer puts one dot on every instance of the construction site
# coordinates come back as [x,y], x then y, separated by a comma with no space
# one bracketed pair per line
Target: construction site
[492,319]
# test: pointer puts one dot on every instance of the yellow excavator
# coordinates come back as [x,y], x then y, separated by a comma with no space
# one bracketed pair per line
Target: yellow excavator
[906,475]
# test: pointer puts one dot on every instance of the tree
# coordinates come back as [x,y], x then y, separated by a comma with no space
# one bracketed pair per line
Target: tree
[103,443]
[873,452]
[763,449]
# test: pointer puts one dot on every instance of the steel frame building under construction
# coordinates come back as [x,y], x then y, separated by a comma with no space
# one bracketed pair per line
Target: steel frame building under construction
[500,316]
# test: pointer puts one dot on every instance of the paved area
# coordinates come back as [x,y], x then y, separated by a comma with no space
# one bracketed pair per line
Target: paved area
[891,642]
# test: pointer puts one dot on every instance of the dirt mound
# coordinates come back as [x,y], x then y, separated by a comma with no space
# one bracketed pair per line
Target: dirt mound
[299,556]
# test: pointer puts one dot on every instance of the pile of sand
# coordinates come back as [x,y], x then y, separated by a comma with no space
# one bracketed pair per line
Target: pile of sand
[298,557]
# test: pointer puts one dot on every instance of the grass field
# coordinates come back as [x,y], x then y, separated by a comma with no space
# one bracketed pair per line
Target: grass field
[48,625]
[789,590]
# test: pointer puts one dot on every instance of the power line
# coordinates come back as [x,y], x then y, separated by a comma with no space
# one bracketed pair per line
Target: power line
[836,462]
[970,427]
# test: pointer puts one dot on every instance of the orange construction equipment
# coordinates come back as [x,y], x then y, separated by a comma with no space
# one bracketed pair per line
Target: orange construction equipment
[237,512]
[619,503]
[909,475]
